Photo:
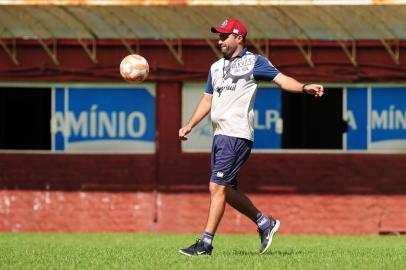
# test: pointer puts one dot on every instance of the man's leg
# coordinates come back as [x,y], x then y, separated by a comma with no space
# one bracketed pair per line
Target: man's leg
[204,246]
[242,203]
[217,207]
[267,226]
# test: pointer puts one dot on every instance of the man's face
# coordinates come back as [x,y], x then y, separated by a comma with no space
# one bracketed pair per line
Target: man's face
[228,44]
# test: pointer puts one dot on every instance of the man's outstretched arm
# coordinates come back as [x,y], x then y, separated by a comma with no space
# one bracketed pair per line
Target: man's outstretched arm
[202,109]
[289,84]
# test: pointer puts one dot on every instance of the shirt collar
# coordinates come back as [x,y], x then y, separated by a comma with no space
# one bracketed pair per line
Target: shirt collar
[241,54]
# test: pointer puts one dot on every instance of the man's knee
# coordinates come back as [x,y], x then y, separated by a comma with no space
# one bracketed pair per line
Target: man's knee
[216,189]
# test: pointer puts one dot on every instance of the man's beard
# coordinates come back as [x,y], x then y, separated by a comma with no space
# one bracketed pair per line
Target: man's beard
[227,51]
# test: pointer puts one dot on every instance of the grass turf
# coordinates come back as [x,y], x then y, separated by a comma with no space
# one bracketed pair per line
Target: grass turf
[160,251]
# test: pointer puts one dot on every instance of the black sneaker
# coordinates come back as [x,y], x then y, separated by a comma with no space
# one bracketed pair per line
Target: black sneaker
[197,249]
[267,234]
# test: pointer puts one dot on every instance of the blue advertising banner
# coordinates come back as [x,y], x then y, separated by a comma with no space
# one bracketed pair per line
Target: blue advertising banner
[104,119]
[268,125]
[388,118]
[376,118]
[357,118]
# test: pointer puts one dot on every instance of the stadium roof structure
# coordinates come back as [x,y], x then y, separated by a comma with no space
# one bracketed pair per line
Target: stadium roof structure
[172,21]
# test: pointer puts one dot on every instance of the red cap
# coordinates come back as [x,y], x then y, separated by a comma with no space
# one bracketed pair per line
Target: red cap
[231,26]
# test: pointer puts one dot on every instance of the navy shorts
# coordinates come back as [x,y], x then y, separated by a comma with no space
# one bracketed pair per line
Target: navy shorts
[227,156]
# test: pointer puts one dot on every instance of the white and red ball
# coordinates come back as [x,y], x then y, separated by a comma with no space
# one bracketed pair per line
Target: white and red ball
[134,68]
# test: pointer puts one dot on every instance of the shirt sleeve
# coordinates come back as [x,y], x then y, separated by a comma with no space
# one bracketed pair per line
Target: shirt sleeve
[209,86]
[264,70]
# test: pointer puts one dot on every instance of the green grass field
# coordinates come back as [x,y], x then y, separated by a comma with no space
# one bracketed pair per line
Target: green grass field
[160,251]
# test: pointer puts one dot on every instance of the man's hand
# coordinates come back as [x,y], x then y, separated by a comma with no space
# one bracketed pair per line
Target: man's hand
[314,89]
[203,108]
[184,131]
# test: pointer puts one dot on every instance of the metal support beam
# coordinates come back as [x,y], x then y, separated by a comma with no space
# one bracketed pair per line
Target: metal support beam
[350,53]
[130,30]
[392,47]
[306,51]
[38,29]
[76,25]
[257,45]
[289,24]
[91,50]
[394,53]
[213,47]
[114,22]
[175,49]
[11,52]
[382,30]
[198,20]
[52,52]
[339,31]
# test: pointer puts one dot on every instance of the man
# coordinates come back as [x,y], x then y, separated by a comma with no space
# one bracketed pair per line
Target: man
[229,96]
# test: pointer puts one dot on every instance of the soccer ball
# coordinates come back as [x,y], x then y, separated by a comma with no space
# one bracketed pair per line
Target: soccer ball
[134,68]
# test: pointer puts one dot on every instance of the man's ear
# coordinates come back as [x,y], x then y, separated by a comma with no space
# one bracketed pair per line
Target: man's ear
[240,39]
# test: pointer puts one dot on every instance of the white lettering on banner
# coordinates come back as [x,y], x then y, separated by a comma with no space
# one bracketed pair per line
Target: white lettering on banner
[352,123]
[271,117]
[58,123]
[379,122]
[100,124]
[106,124]
[257,125]
[389,119]
[400,119]
[121,127]
[77,126]
[130,124]
[93,121]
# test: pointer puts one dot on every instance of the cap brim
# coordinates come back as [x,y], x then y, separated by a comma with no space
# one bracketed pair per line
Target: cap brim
[219,30]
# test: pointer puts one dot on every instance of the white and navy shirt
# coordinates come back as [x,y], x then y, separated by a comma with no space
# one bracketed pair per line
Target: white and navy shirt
[233,84]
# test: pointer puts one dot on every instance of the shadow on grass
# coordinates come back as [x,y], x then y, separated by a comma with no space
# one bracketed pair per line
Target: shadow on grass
[269,253]
[286,252]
